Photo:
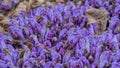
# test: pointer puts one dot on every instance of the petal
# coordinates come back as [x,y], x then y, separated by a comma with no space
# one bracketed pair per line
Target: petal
[62,32]
[58,65]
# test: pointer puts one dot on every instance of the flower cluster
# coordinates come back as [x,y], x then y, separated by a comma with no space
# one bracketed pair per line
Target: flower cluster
[58,37]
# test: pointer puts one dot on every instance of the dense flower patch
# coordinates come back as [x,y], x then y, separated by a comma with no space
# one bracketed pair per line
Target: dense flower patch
[59,37]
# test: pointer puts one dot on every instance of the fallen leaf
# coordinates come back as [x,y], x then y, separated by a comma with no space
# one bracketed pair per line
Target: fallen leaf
[1,30]
[59,1]
[98,16]
[21,6]
[36,3]
[1,17]
[5,23]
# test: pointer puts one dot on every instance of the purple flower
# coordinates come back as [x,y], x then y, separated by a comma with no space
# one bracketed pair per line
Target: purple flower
[84,60]
[58,46]
[118,1]
[15,1]
[84,22]
[48,64]
[58,65]
[11,49]
[26,64]
[33,54]
[113,22]
[76,12]
[66,57]
[44,32]
[77,50]
[55,56]
[2,42]
[104,58]
[109,36]
[57,16]
[87,4]
[99,3]
[32,60]
[115,65]
[117,9]
[62,33]
[94,64]
[98,52]
[5,6]
[2,56]
[87,44]
[79,64]
[15,30]
[10,65]
[32,21]
[115,57]
[26,32]
[82,12]
[68,25]
[47,43]
[62,51]
[3,65]
[21,20]
[72,39]
[60,7]
[114,43]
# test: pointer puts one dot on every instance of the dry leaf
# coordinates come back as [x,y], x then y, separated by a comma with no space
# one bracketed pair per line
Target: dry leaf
[36,3]
[21,6]
[1,17]
[5,23]
[28,44]
[98,16]
[59,0]
[7,52]
[1,30]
